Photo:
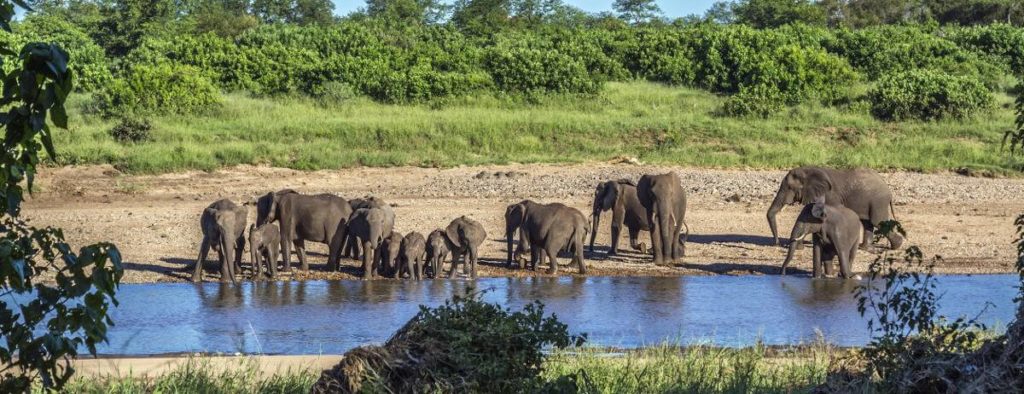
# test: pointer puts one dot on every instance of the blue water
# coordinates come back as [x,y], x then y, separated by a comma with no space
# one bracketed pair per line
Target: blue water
[330,317]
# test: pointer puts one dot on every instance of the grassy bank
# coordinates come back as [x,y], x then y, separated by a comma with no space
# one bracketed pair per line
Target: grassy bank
[660,369]
[655,123]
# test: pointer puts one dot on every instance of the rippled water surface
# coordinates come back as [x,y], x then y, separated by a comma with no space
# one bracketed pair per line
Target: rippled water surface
[332,317]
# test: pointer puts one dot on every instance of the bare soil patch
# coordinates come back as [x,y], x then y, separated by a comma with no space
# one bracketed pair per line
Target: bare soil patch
[154,218]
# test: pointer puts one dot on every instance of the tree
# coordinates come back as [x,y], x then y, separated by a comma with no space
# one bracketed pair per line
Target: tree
[720,12]
[42,324]
[481,17]
[637,11]
[126,22]
[301,12]
[407,11]
[226,18]
[775,13]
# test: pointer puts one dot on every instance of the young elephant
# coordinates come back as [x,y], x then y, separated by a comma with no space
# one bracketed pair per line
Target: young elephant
[463,236]
[836,231]
[367,225]
[664,200]
[264,248]
[620,197]
[410,255]
[223,227]
[437,251]
[549,228]
[861,190]
[387,255]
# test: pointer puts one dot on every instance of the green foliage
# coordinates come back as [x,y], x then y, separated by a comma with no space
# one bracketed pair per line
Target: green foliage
[131,130]
[928,95]
[758,100]
[299,12]
[1001,40]
[160,88]
[87,60]
[1015,136]
[637,11]
[465,345]
[43,324]
[775,13]
[517,67]
[910,336]
[198,375]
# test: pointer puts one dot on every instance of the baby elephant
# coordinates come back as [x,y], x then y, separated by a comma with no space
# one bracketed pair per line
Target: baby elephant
[836,231]
[223,227]
[410,255]
[437,251]
[463,237]
[264,248]
[387,255]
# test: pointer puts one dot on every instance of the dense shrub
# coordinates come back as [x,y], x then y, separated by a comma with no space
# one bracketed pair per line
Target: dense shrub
[1004,41]
[131,130]
[758,100]
[465,345]
[161,88]
[928,95]
[87,62]
[517,67]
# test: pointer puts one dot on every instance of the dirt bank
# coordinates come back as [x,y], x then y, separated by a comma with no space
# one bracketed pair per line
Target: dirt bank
[154,219]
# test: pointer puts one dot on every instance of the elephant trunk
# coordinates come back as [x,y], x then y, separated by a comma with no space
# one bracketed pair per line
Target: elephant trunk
[226,250]
[254,255]
[510,233]
[594,227]
[782,198]
[795,238]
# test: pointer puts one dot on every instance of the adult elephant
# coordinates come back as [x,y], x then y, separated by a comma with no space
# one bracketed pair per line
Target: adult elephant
[314,218]
[861,190]
[620,197]
[223,227]
[382,222]
[664,199]
[548,228]
[367,226]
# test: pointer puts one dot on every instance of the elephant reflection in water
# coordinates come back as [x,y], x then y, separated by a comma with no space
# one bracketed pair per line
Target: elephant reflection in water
[278,293]
[821,292]
[544,288]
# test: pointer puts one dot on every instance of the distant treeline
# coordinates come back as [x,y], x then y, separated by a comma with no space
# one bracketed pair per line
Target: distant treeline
[177,56]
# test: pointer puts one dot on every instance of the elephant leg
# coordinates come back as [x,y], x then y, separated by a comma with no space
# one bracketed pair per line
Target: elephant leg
[286,252]
[578,258]
[273,254]
[844,262]
[239,250]
[869,235]
[455,263]
[656,244]
[553,256]
[368,260]
[634,237]
[816,260]
[472,262]
[204,249]
[616,231]
[300,249]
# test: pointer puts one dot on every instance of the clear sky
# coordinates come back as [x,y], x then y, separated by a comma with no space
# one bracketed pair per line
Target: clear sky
[671,8]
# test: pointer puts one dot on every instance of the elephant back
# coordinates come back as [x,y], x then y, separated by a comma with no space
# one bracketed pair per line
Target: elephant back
[464,229]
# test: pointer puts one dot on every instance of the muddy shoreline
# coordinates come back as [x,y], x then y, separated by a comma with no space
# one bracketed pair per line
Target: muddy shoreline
[154,218]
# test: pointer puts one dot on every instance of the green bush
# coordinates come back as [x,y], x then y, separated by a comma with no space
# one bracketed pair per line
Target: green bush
[516,67]
[161,88]
[131,131]
[928,95]
[1001,40]
[87,62]
[758,100]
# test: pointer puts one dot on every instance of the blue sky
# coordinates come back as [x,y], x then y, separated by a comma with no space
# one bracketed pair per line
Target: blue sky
[671,8]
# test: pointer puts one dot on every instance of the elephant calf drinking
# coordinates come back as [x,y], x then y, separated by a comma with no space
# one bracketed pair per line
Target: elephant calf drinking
[223,226]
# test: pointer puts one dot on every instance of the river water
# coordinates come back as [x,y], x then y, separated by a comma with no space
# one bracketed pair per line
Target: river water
[330,317]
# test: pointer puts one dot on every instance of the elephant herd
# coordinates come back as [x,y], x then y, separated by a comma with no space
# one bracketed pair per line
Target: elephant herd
[841,209]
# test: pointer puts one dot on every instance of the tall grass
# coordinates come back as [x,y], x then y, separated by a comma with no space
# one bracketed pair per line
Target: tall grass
[699,369]
[655,123]
[199,376]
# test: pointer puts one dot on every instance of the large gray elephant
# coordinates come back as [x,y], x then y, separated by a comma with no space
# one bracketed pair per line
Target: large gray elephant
[620,197]
[861,190]
[463,236]
[367,226]
[264,248]
[549,228]
[410,255]
[664,199]
[344,237]
[437,251]
[303,218]
[387,255]
[513,228]
[836,231]
[223,227]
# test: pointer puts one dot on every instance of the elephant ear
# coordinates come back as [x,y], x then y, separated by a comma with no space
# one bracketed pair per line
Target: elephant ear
[816,184]
[607,193]
[452,232]
[818,209]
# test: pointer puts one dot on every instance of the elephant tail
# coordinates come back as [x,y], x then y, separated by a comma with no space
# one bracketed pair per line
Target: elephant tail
[686,233]
[892,210]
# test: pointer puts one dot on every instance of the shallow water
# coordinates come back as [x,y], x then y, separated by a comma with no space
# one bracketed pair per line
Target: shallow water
[330,317]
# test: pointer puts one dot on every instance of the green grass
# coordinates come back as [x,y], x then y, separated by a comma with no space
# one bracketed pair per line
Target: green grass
[655,123]
[659,369]
[700,369]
